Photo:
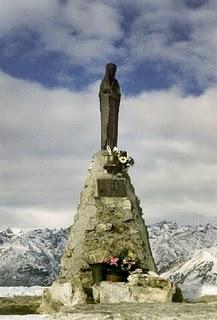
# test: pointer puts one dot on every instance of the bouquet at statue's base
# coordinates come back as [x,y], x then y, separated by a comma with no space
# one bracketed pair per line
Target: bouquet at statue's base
[118,161]
[118,268]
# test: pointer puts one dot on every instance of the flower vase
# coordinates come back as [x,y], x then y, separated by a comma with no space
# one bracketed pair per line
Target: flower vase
[97,272]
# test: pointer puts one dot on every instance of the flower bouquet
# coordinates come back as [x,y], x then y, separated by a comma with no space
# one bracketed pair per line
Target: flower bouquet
[118,268]
[118,161]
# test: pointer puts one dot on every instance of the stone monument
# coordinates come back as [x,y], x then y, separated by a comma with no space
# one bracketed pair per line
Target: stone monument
[108,233]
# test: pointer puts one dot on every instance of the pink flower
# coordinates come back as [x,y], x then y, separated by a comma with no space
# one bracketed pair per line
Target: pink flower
[114,261]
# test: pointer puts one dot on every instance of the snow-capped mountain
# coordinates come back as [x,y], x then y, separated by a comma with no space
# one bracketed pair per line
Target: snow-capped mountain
[30,257]
[185,254]
[172,244]
[198,275]
[5,235]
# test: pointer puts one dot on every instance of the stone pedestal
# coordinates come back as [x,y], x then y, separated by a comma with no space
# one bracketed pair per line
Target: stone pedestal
[108,220]
[119,292]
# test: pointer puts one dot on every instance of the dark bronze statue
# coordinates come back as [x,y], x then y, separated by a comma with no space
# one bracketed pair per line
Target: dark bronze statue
[109,96]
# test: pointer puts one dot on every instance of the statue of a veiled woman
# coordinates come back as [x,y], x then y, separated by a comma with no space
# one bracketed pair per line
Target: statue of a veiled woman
[109,96]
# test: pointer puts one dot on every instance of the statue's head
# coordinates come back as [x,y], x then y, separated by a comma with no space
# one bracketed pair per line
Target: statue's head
[111,70]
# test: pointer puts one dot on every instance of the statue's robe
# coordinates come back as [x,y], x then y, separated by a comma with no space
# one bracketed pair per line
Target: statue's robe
[109,95]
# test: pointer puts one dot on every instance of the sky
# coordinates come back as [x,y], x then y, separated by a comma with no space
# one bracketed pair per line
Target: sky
[52,58]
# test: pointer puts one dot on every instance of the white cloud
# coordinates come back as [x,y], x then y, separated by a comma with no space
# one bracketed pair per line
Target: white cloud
[35,217]
[80,29]
[177,34]
[15,14]
[87,17]
[47,138]
[173,139]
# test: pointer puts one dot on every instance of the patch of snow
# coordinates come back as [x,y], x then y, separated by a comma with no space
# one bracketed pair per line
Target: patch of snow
[16,230]
[209,290]
[21,291]
[191,290]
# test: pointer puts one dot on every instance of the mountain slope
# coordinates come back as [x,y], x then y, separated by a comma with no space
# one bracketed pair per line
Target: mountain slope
[30,258]
[198,275]
[172,244]
[5,235]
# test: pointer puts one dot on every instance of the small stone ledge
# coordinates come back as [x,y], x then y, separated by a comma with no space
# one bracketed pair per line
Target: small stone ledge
[20,305]
[119,292]
[140,288]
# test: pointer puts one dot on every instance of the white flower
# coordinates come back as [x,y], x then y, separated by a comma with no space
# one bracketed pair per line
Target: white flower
[109,150]
[115,150]
[122,159]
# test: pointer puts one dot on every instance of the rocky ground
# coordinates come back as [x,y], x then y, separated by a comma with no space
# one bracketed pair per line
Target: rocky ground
[172,311]
[26,317]
[19,305]
[20,300]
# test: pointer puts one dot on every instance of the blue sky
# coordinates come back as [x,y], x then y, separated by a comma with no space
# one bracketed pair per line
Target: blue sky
[53,54]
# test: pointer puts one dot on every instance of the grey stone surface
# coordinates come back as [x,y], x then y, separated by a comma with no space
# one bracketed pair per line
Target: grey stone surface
[61,292]
[85,316]
[19,305]
[150,290]
[114,292]
[103,226]
[96,292]
[141,311]
[79,296]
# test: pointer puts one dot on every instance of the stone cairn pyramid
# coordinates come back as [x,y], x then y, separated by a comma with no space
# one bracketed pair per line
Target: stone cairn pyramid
[108,221]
